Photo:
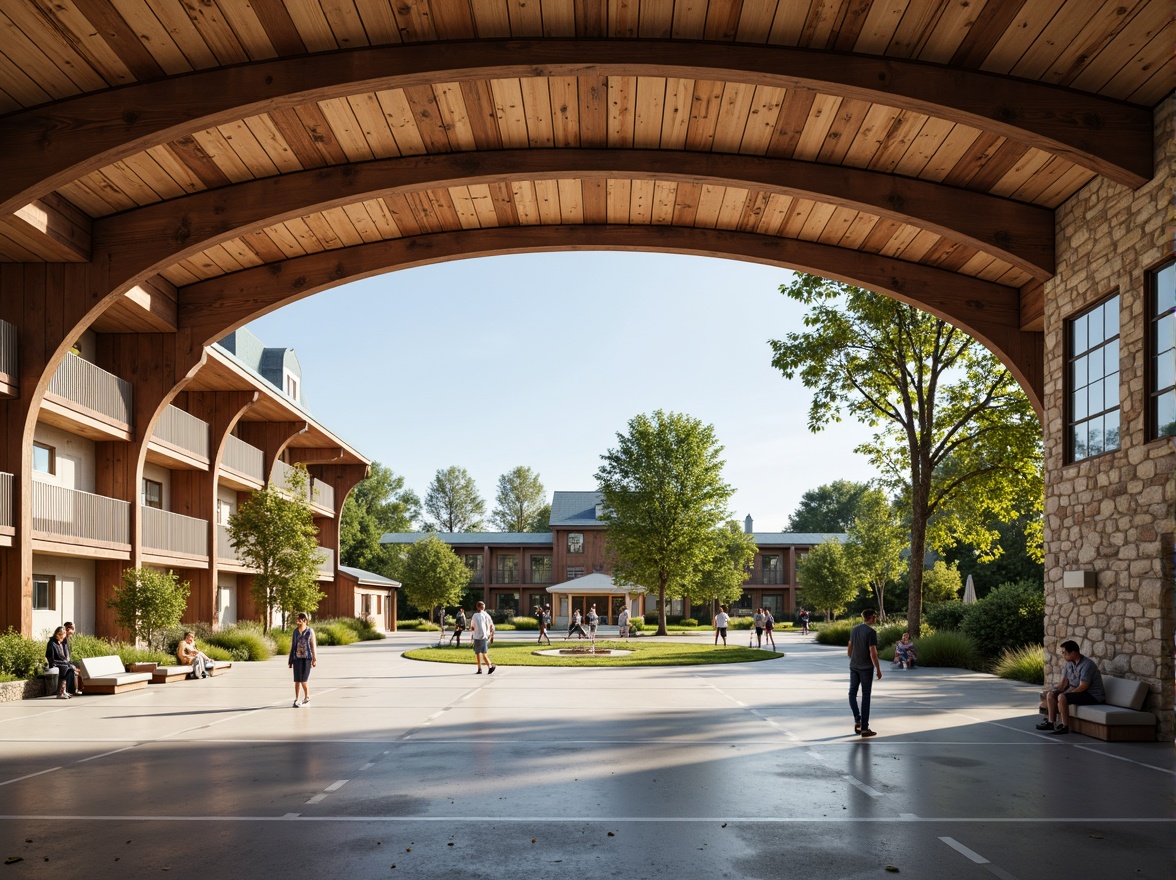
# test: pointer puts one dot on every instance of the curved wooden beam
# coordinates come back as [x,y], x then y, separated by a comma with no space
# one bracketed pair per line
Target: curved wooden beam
[65,140]
[989,312]
[1020,234]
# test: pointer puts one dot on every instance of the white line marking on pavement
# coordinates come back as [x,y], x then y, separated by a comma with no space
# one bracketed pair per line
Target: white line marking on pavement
[29,776]
[318,798]
[857,783]
[613,820]
[105,754]
[291,815]
[977,858]
[335,786]
[368,766]
[907,816]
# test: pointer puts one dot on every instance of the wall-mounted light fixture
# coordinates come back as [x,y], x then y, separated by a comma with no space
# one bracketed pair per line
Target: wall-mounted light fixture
[1079,580]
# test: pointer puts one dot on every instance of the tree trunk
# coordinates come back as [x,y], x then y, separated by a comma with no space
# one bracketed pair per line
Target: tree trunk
[661,607]
[918,553]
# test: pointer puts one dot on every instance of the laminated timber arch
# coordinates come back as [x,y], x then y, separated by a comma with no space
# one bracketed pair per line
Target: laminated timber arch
[170,173]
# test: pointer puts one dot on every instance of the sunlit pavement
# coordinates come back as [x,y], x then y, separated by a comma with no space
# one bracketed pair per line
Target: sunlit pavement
[405,769]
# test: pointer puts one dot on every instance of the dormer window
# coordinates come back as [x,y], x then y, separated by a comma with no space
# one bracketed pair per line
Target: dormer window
[291,386]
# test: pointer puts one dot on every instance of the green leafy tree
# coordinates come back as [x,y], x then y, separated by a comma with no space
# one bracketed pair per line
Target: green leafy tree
[541,522]
[829,508]
[273,533]
[519,500]
[431,574]
[955,436]
[664,497]
[148,602]
[828,580]
[453,502]
[378,505]
[724,569]
[877,538]
[941,583]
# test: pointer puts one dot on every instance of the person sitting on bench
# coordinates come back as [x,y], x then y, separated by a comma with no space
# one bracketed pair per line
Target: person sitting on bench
[1081,685]
[189,655]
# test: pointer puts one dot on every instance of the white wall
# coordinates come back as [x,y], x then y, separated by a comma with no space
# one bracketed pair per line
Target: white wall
[226,598]
[74,600]
[75,458]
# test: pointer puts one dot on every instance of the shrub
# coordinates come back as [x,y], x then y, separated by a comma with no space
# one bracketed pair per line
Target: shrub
[525,623]
[836,633]
[85,646]
[948,648]
[636,624]
[689,621]
[20,657]
[1010,616]
[241,643]
[889,633]
[418,625]
[1022,664]
[333,632]
[945,615]
[365,629]
[740,623]
[282,639]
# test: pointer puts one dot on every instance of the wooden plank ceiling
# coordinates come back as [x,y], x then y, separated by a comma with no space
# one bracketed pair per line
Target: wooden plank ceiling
[50,52]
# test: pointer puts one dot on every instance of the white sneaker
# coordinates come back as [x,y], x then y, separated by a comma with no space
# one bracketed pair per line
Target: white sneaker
[63,696]
[296,704]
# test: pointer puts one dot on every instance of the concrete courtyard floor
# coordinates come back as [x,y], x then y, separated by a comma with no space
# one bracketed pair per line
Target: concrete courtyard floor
[421,770]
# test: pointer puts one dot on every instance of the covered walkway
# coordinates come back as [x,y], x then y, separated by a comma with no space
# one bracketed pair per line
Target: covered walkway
[745,771]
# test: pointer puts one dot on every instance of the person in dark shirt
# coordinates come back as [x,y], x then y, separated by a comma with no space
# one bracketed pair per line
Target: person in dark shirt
[1081,685]
[863,654]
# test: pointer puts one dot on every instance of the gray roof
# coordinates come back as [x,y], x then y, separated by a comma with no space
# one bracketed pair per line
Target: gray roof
[537,539]
[369,578]
[575,509]
[788,539]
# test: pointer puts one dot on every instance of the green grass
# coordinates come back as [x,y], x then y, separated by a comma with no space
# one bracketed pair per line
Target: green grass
[646,652]
[1026,664]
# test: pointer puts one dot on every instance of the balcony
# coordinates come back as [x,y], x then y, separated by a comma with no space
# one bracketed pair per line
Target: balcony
[319,495]
[85,399]
[9,369]
[242,465]
[180,441]
[7,519]
[168,534]
[96,523]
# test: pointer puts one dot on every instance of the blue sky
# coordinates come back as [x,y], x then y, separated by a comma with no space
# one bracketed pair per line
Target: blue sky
[541,359]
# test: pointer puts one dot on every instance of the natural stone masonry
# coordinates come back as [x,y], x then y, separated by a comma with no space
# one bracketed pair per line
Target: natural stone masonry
[1113,514]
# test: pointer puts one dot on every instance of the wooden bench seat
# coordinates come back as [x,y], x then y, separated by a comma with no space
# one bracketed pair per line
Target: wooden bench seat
[169,674]
[1121,718]
[107,675]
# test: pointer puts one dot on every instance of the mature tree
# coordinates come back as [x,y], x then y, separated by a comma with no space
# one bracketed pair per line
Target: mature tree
[724,570]
[827,579]
[954,434]
[1019,557]
[148,602]
[877,538]
[829,508]
[941,583]
[273,533]
[664,497]
[453,502]
[519,501]
[431,574]
[377,505]
[541,522]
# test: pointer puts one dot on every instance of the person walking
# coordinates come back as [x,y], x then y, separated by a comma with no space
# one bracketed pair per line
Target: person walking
[593,621]
[574,626]
[769,625]
[544,616]
[863,654]
[459,626]
[623,623]
[482,633]
[303,657]
[758,621]
[721,621]
[804,622]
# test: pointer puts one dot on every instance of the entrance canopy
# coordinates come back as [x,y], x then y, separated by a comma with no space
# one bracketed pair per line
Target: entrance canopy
[596,584]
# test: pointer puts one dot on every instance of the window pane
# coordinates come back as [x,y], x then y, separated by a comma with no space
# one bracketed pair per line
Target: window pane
[1078,403]
[1078,441]
[1166,414]
[1094,365]
[42,459]
[1095,394]
[1111,431]
[1166,289]
[1165,332]
[1080,373]
[1094,436]
[1111,356]
[1165,370]
[1111,318]
[1078,335]
[1111,392]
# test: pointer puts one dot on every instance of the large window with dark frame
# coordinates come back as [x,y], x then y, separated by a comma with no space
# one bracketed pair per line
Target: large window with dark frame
[473,561]
[575,542]
[1092,341]
[541,569]
[1161,338]
[506,568]
[770,569]
[152,494]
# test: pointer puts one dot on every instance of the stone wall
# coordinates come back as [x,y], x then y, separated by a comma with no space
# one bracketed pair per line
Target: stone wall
[1113,514]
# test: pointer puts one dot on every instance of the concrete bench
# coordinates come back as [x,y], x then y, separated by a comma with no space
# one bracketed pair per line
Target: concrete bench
[220,667]
[169,674]
[107,675]
[1121,718]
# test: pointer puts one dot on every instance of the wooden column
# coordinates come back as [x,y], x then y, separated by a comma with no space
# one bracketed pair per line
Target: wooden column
[340,601]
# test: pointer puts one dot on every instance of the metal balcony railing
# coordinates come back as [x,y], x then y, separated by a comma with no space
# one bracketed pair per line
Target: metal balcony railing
[537,576]
[184,431]
[6,483]
[9,362]
[81,382]
[82,515]
[243,458]
[174,532]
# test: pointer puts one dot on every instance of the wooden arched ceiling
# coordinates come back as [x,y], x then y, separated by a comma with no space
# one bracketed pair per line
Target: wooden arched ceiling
[912,145]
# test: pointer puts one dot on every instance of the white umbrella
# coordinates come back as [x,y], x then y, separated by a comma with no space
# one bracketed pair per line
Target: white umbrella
[969,591]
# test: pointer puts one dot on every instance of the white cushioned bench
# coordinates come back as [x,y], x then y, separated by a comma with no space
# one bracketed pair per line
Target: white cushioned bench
[107,675]
[1121,718]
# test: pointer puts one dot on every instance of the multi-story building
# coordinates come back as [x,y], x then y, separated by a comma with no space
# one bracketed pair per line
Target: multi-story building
[520,571]
[238,424]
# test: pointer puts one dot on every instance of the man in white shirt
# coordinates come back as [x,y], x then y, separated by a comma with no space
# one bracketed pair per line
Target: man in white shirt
[482,630]
[721,621]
